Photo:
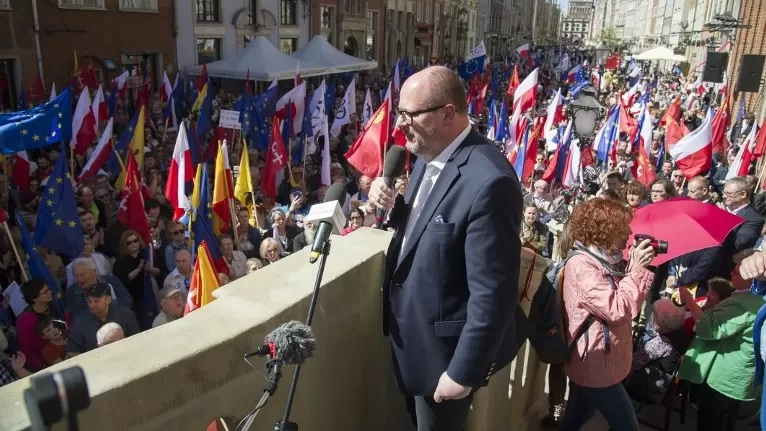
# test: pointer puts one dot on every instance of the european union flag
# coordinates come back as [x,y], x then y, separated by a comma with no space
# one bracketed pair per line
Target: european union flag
[253,119]
[149,306]
[203,225]
[609,134]
[37,267]
[330,96]
[121,148]
[58,224]
[37,127]
[111,102]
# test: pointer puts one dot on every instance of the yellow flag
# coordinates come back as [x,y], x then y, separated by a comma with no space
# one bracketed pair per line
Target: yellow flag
[200,98]
[204,280]
[136,147]
[195,192]
[244,183]
[221,193]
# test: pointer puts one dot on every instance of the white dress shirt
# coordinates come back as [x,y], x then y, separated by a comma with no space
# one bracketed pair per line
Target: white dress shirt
[432,171]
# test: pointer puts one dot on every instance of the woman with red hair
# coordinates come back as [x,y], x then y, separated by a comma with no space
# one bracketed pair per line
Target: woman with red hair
[601,295]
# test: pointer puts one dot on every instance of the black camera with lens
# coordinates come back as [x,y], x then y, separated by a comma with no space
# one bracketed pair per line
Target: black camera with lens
[659,246]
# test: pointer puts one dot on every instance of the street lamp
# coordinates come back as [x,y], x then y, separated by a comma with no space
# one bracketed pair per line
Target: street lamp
[585,112]
[601,54]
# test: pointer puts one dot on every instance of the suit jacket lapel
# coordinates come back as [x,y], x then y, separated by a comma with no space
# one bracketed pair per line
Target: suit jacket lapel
[447,178]
[417,176]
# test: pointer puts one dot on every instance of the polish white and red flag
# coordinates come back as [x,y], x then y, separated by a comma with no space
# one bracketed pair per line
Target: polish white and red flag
[523,98]
[167,88]
[21,170]
[630,96]
[294,103]
[694,152]
[122,83]
[99,106]
[83,124]
[53,92]
[179,174]
[523,50]
[101,153]
[741,165]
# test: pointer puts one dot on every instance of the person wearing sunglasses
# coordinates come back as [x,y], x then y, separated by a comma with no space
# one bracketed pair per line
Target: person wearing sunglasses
[177,241]
[131,267]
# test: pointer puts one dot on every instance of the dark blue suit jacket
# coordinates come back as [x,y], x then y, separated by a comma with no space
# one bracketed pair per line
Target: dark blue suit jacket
[450,297]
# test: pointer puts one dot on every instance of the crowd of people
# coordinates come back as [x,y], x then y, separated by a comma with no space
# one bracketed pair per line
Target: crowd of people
[634,325]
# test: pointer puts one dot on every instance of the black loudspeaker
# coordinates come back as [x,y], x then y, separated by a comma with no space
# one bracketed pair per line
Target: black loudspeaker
[715,65]
[750,72]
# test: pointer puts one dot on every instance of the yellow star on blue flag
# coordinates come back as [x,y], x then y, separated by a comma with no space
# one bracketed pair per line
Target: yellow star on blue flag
[58,224]
[24,130]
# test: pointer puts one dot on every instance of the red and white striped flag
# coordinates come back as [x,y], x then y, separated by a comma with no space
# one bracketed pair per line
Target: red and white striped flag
[100,154]
[179,174]
[694,152]
[83,124]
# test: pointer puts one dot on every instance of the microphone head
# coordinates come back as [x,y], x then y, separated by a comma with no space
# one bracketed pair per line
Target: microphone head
[336,192]
[396,158]
[294,341]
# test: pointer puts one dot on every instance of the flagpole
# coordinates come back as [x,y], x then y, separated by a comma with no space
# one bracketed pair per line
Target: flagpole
[16,251]
[71,157]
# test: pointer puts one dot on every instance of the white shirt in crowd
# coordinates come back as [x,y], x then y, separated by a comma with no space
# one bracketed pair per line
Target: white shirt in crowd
[103,267]
[175,279]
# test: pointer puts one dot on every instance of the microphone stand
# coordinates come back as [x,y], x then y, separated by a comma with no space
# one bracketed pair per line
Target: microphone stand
[285,424]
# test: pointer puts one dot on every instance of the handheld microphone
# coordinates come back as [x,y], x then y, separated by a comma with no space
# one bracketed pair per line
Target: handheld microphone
[330,218]
[393,167]
[291,343]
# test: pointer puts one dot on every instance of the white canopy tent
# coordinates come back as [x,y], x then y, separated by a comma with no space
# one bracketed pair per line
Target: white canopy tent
[660,53]
[264,62]
[320,52]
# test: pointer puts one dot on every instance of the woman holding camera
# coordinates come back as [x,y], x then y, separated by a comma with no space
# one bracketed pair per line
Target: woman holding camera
[601,295]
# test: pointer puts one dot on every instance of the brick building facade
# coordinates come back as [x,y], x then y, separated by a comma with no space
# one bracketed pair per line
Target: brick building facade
[112,34]
[750,41]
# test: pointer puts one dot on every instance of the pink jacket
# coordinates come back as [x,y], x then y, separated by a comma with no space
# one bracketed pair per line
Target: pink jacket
[587,291]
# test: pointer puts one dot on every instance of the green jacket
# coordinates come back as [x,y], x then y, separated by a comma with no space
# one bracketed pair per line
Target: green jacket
[722,352]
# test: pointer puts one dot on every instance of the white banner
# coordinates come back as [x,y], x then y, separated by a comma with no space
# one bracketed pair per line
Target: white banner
[229,119]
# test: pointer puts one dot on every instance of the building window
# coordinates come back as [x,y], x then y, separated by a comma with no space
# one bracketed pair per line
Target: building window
[429,7]
[287,14]
[208,50]
[138,5]
[419,11]
[288,46]
[82,4]
[327,17]
[208,11]
[5,4]
[372,36]
[252,12]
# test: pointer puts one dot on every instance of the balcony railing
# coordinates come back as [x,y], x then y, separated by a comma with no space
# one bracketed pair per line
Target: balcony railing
[81,4]
[193,371]
[138,5]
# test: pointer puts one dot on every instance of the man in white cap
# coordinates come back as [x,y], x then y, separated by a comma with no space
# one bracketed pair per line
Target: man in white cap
[172,304]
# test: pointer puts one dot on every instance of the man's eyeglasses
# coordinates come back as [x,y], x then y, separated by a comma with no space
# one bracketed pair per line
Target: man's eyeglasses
[409,116]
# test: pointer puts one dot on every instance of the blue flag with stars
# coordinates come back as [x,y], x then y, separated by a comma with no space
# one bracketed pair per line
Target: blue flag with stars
[252,116]
[203,224]
[37,267]
[58,223]
[37,127]
[121,147]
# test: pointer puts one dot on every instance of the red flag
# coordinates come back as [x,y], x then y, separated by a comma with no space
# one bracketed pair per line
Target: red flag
[275,161]
[37,90]
[513,84]
[645,170]
[132,213]
[202,79]
[674,131]
[20,175]
[720,124]
[760,141]
[613,62]
[673,112]
[366,154]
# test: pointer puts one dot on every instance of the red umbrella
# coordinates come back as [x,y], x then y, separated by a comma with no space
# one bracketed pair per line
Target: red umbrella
[687,225]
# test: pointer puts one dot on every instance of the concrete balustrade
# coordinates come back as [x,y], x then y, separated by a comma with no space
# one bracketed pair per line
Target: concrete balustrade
[183,375]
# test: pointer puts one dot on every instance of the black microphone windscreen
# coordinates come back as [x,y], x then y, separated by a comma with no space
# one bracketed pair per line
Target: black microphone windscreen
[294,342]
[336,192]
[396,158]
